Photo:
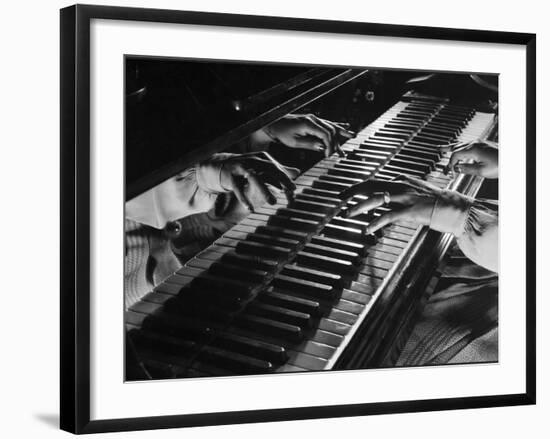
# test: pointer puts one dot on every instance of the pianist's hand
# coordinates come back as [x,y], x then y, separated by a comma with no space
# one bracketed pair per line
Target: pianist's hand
[254,177]
[475,158]
[306,131]
[411,200]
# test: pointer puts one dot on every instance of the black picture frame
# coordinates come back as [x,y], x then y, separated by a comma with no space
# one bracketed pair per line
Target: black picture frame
[75,217]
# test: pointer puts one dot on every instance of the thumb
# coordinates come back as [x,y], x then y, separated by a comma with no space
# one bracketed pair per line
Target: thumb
[292,172]
[311,143]
[470,168]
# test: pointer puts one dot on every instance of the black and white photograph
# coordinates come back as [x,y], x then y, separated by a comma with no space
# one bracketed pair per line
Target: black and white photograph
[273,218]
[286,218]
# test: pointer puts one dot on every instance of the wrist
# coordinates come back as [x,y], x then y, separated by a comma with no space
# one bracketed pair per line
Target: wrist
[261,138]
[209,174]
[450,212]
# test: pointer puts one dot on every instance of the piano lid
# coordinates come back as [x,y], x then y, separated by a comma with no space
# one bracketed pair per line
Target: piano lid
[179,112]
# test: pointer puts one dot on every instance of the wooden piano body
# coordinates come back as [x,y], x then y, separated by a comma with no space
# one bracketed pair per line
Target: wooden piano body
[295,287]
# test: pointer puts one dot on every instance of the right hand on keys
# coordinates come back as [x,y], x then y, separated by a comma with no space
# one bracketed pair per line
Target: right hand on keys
[412,200]
[483,157]
[252,177]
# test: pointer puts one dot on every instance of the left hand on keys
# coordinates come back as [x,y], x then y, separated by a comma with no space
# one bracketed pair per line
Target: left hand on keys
[306,131]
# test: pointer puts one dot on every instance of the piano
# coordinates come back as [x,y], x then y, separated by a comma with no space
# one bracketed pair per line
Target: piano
[296,287]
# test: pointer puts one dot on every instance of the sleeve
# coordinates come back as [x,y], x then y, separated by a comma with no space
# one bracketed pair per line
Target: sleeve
[473,222]
[192,191]
[479,238]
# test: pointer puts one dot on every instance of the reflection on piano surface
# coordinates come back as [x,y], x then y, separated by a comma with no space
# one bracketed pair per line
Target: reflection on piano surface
[297,287]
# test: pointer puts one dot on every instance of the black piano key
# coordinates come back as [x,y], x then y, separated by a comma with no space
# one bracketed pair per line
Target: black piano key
[344,172]
[449,133]
[288,300]
[171,325]
[445,126]
[334,265]
[402,124]
[433,134]
[393,134]
[430,152]
[280,314]
[410,164]
[263,250]
[233,360]
[227,269]
[272,239]
[313,275]
[375,150]
[293,235]
[427,154]
[359,164]
[270,327]
[409,117]
[329,201]
[215,308]
[240,289]
[313,206]
[360,167]
[162,342]
[385,145]
[305,287]
[342,180]
[255,262]
[449,120]
[430,164]
[335,195]
[202,369]
[157,297]
[368,158]
[394,171]
[294,223]
[329,185]
[250,346]
[303,214]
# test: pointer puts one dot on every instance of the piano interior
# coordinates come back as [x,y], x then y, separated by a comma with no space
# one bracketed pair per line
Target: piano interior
[295,286]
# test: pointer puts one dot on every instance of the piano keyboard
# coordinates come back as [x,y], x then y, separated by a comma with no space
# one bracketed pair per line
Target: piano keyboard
[289,287]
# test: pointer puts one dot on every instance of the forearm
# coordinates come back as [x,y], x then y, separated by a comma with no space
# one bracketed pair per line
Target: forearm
[192,191]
